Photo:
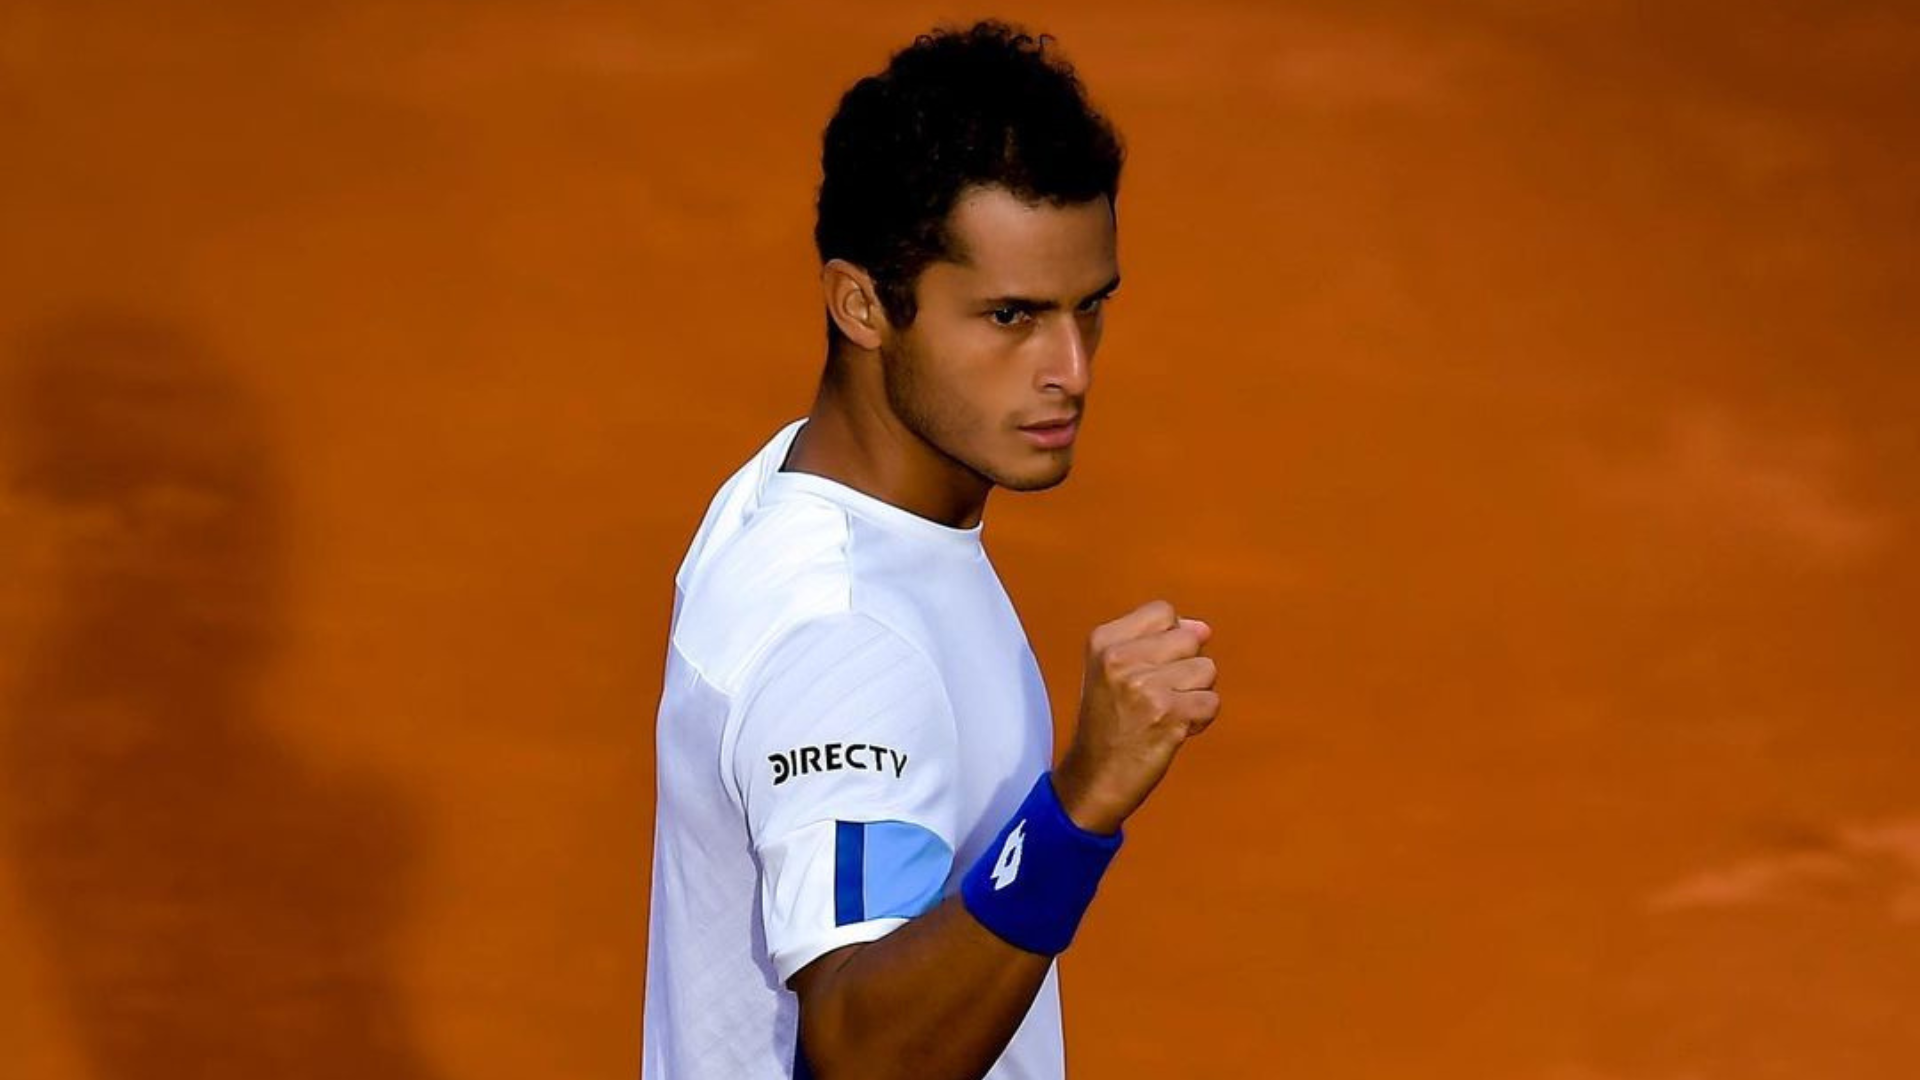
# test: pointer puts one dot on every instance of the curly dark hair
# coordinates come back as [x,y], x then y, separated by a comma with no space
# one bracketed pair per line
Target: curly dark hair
[988,105]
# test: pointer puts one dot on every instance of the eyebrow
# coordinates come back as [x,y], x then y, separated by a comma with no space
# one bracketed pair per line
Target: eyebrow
[1029,304]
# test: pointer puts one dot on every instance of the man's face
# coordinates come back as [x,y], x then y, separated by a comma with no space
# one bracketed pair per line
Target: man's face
[1005,334]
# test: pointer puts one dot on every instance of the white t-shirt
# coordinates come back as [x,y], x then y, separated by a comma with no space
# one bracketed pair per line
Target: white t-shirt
[851,712]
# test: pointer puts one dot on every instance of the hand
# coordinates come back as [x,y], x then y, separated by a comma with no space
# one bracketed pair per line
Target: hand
[1145,692]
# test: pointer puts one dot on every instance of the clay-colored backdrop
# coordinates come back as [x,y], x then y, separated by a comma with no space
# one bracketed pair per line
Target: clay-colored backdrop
[1527,393]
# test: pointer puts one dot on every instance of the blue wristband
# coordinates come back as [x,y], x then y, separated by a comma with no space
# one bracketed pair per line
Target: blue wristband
[1034,882]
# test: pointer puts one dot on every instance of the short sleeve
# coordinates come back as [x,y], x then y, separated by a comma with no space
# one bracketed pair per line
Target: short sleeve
[844,759]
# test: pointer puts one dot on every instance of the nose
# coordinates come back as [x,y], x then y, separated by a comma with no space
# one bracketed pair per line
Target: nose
[1069,359]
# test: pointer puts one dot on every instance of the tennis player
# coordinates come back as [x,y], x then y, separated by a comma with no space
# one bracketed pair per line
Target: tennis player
[865,861]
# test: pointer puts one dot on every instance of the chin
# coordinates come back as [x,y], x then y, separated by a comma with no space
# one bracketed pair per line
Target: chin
[1036,479]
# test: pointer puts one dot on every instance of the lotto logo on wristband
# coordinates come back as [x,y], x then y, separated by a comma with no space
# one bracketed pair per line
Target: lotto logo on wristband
[1007,867]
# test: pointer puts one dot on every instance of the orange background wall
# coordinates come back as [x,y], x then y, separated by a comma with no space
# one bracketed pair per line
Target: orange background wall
[1527,394]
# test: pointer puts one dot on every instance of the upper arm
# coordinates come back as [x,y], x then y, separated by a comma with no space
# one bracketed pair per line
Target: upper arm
[845,761]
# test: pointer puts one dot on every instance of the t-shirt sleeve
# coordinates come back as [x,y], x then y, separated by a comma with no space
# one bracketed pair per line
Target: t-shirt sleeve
[844,760]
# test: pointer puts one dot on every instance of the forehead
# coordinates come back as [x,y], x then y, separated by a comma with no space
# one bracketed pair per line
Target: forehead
[1003,246]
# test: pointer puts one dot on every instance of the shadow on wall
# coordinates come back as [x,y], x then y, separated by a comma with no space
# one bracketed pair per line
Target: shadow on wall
[209,906]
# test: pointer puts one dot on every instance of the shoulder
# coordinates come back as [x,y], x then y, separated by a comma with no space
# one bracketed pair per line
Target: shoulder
[848,653]
[788,566]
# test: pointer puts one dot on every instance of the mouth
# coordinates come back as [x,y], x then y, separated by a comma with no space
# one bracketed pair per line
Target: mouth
[1053,434]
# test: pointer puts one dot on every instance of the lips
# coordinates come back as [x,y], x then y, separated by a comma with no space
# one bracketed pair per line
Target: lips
[1055,435]
[1050,425]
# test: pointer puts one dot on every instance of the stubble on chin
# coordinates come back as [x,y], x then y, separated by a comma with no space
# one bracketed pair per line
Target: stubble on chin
[1054,475]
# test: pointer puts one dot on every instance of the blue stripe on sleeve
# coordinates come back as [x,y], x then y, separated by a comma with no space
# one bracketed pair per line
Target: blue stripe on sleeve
[849,866]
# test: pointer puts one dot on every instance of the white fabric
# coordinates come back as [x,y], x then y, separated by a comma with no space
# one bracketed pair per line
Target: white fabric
[808,614]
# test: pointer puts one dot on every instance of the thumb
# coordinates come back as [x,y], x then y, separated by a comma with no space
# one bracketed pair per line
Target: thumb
[1206,631]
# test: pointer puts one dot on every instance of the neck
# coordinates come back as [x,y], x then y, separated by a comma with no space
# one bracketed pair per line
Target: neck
[854,438]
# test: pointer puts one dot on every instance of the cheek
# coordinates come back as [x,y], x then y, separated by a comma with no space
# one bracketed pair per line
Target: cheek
[969,360]
[942,382]
[972,379]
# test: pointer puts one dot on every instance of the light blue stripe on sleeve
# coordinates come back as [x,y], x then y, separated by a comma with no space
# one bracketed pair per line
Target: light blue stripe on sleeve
[906,869]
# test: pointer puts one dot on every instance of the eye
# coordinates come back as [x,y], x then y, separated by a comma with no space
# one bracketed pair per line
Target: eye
[1013,316]
[1095,304]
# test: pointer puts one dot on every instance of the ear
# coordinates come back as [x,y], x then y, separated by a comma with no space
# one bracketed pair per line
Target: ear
[852,302]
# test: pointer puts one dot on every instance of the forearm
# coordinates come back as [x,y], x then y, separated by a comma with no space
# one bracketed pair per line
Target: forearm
[936,999]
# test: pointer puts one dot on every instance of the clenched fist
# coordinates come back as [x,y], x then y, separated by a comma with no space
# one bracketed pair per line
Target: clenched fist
[1146,690]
